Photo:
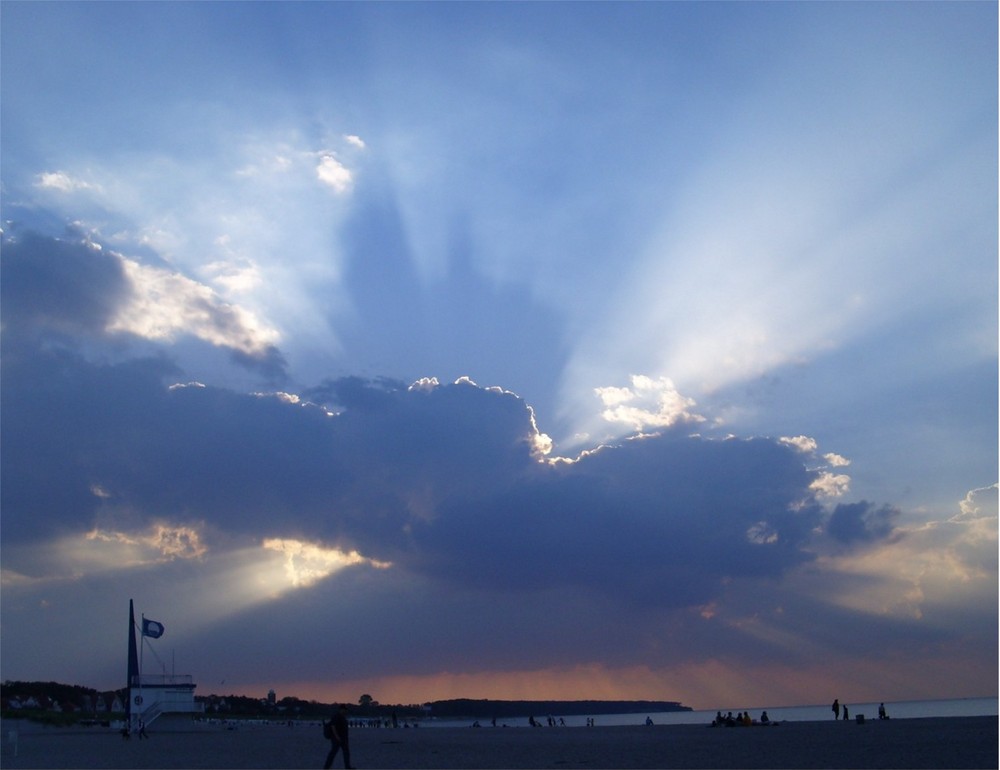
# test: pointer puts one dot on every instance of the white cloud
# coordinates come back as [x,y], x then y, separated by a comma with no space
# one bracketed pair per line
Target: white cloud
[307,563]
[235,276]
[103,550]
[164,304]
[802,443]
[979,504]
[837,461]
[648,403]
[831,484]
[63,182]
[333,173]
[425,384]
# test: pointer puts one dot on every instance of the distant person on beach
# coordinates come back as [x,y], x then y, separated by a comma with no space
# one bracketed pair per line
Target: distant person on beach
[881,711]
[846,717]
[765,719]
[836,708]
[338,738]
[142,730]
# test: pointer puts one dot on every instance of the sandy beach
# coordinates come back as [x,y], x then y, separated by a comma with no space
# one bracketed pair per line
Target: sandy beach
[902,743]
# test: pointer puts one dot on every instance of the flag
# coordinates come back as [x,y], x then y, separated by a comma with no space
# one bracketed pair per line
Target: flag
[152,629]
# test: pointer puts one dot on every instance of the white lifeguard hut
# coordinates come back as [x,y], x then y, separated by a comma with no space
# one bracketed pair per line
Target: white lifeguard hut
[152,695]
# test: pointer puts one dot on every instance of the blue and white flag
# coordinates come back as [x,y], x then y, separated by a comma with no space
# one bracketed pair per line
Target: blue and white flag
[152,629]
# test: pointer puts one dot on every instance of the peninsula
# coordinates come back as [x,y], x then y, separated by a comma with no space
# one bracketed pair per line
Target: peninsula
[487,709]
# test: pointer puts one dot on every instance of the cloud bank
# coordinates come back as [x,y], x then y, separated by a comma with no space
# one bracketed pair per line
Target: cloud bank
[423,529]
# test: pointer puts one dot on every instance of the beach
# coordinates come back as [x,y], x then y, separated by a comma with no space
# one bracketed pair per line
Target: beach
[969,742]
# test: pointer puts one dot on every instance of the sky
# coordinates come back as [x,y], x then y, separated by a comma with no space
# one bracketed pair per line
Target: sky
[502,350]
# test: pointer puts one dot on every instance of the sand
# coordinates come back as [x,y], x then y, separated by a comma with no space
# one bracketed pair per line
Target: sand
[898,743]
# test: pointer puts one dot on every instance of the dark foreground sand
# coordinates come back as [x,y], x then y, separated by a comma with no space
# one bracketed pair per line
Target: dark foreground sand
[898,743]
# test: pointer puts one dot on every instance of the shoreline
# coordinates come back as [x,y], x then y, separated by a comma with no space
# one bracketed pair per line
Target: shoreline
[927,742]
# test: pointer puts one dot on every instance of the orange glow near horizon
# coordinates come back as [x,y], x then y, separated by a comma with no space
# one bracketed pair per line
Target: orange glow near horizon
[710,685]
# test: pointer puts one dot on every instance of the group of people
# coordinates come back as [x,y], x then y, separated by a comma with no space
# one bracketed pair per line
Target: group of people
[744,720]
[740,720]
[836,708]
[549,720]
[140,730]
[378,723]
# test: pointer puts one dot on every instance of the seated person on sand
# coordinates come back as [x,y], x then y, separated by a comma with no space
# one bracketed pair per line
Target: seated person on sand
[747,721]
[765,719]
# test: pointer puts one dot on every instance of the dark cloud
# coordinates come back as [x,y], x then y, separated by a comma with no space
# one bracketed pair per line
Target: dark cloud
[64,420]
[355,393]
[500,558]
[661,520]
[443,482]
[66,286]
[270,363]
[861,522]
[70,290]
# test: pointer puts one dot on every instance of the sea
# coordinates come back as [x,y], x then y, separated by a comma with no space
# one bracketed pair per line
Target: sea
[908,709]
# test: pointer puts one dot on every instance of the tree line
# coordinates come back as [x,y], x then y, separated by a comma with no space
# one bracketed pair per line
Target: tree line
[75,701]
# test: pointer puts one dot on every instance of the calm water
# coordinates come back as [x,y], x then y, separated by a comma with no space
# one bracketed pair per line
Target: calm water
[959,707]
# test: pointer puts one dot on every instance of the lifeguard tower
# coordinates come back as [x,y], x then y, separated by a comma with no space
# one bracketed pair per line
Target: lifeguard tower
[152,695]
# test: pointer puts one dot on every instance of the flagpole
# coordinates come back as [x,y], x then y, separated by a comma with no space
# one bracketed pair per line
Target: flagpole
[142,649]
[133,664]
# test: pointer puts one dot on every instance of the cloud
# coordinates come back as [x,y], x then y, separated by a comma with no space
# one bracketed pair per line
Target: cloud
[941,572]
[444,481]
[62,286]
[249,215]
[862,521]
[333,173]
[63,182]
[415,508]
[307,563]
[74,287]
[441,481]
[831,484]
[802,443]
[979,504]
[648,403]
[164,303]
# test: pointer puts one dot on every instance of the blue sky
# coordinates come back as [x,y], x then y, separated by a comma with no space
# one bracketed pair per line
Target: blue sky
[457,336]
